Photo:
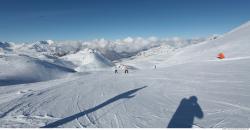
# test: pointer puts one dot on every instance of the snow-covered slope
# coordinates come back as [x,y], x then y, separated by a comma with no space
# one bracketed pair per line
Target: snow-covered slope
[234,44]
[149,58]
[105,99]
[89,59]
[16,69]
[190,88]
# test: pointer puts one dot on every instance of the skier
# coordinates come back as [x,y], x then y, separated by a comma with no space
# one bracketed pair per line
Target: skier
[116,71]
[155,66]
[126,69]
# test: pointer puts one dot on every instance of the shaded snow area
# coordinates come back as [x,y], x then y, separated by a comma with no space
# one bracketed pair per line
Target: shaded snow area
[184,86]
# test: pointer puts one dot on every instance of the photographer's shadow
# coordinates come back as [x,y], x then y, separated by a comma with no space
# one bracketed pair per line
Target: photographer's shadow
[185,113]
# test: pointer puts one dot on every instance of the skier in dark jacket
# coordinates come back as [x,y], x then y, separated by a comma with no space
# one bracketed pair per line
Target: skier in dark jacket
[126,70]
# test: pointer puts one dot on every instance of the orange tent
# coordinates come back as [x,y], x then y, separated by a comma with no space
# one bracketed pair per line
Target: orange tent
[221,56]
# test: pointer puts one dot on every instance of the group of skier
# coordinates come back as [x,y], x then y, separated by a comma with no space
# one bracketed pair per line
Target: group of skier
[126,69]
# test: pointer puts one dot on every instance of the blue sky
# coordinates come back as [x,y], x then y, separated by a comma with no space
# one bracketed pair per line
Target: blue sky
[31,20]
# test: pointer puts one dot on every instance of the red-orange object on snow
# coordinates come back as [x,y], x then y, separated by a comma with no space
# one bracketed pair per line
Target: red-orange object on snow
[221,56]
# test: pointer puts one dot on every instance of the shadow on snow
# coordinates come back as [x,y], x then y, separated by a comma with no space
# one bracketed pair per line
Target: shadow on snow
[127,94]
[185,113]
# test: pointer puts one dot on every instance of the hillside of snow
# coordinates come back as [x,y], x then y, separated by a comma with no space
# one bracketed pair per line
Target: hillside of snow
[190,87]
[234,44]
[88,60]
[17,69]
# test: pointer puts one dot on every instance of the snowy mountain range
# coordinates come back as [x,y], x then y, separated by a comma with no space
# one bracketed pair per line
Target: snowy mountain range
[171,82]
[75,55]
